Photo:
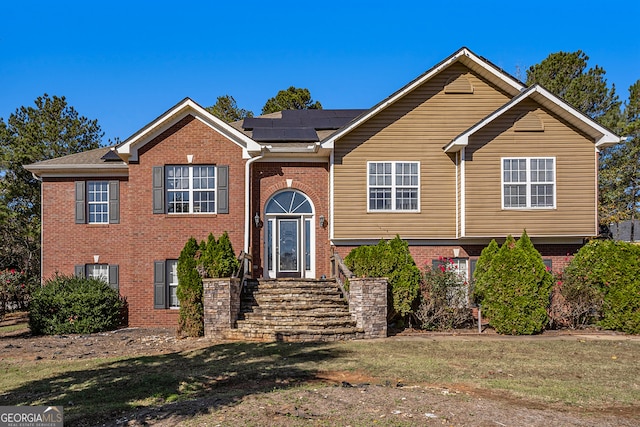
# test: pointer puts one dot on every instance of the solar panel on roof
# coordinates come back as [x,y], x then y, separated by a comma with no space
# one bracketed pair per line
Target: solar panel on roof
[288,134]
[314,119]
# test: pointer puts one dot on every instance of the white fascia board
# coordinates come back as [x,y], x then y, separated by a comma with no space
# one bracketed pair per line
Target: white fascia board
[462,140]
[457,144]
[462,53]
[606,137]
[129,149]
[498,73]
[58,171]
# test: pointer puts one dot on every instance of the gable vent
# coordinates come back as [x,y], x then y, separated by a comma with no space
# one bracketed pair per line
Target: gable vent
[529,122]
[458,84]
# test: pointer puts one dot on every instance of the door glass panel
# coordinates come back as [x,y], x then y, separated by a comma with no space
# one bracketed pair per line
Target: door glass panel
[288,245]
[270,245]
[307,244]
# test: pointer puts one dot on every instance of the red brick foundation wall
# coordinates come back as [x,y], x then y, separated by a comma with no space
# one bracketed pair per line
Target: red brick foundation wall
[560,254]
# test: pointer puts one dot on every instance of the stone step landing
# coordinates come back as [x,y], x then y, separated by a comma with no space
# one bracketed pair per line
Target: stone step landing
[294,310]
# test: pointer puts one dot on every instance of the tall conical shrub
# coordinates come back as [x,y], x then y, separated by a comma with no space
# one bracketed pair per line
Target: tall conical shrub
[517,289]
[191,320]
[482,266]
[225,262]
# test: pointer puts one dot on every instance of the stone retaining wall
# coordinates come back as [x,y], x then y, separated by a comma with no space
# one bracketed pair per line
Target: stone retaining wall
[368,305]
[221,306]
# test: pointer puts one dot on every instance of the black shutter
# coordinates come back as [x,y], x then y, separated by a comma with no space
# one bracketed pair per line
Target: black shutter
[159,287]
[548,262]
[223,189]
[158,189]
[78,271]
[114,202]
[81,209]
[472,267]
[113,277]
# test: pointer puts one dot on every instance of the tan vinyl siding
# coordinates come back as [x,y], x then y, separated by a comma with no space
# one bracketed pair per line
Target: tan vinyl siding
[415,128]
[574,214]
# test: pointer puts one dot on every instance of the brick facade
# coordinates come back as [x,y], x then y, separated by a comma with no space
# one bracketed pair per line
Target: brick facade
[142,237]
[312,179]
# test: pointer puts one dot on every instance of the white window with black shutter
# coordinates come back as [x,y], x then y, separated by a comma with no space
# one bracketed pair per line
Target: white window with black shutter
[108,273]
[191,189]
[165,284]
[97,202]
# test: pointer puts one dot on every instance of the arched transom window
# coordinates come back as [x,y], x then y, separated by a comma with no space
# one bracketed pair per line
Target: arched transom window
[289,202]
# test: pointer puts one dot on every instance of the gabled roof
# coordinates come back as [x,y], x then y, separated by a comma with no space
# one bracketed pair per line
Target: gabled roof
[464,56]
[128,150]
[601,135]
[96,162]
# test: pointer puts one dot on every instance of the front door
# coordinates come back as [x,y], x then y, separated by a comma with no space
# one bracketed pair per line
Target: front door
[289,238]
[288,247]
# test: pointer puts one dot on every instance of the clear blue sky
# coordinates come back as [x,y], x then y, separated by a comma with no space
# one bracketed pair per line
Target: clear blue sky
[126,62]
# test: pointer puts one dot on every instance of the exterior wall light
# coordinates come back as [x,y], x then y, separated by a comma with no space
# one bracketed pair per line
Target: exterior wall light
[323,221]
[256,220]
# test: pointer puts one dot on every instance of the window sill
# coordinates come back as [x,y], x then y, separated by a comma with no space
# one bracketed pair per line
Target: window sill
[530,209]
[191,215]
[392,211]
[97,225]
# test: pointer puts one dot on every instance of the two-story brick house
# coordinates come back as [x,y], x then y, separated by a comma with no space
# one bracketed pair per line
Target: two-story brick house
[463,154]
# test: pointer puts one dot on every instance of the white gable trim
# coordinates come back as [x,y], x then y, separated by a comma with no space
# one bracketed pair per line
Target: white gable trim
[601,135]
[464,55]
[128,150]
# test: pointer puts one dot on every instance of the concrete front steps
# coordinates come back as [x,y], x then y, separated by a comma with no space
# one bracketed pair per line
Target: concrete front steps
[294,310]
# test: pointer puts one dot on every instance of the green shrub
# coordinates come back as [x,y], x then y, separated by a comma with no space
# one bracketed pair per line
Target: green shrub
[516,289]
[74,305]
[443,299]
[190,291]
[609,272]
[208,259]
[225,263]
[217,257]
[392,260]
[479,280]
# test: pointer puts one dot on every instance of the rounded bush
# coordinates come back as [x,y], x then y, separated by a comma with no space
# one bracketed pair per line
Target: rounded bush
[516,289]
[392,260]
[611,271]
[74,305]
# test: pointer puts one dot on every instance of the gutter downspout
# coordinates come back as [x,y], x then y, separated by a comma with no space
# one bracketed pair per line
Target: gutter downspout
[247,200]
[37,178]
